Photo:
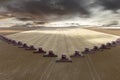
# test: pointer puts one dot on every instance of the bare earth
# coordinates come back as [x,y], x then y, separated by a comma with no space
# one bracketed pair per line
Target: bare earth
[63,41]
[18,64]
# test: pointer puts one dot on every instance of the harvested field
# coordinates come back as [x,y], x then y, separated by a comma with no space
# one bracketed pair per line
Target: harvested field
[11,30]
[18,64]
[63,41]
[109,31]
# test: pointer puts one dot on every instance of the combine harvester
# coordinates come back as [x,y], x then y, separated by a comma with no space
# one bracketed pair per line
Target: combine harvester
[63,43]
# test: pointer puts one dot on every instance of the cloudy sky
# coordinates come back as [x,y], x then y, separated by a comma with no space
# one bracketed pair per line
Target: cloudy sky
[85,11]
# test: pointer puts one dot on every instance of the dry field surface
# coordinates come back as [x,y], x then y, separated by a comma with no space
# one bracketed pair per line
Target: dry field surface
[109,31]
[63,41]
[12,30]
[18,64]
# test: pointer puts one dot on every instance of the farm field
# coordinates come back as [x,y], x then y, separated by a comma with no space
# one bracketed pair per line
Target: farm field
[19,64]
[109,31]
[63,41]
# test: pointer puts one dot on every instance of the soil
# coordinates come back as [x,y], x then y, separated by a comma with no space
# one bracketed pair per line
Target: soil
[19,64]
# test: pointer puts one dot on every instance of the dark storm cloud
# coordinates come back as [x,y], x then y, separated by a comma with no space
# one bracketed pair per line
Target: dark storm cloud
[52,6]
[110,4]
[59,7]
[64,9]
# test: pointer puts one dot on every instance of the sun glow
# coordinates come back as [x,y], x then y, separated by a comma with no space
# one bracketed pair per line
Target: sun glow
[69,23]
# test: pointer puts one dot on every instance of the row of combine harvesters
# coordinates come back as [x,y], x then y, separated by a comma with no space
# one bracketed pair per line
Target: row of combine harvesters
[63,57]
